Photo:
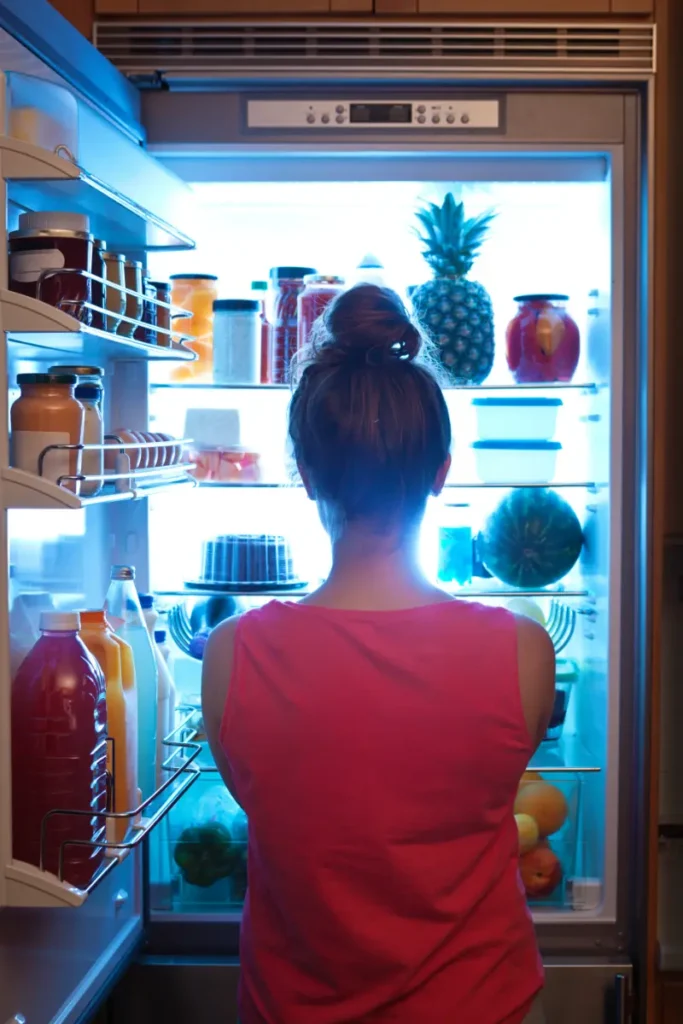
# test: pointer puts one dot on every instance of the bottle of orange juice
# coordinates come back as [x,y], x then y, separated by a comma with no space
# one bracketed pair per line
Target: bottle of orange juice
[116,661]
[195,293]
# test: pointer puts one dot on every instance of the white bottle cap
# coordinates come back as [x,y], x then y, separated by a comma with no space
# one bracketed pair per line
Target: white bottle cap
[60,622]
[54,220]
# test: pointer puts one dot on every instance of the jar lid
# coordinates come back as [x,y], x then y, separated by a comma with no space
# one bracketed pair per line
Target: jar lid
[133,263]
[236,306]
[517,446]
[323,279]
[517,403]
[60,622]
[542,297]
[80,371]
[291,273]
[50,233]
[99,243]
[194,277]
[146,601]
[51,220]
[47,378]
[118,256]
[259,286]
[88,390]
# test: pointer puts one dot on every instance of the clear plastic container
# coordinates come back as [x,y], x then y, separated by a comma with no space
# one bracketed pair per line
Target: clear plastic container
[248,562]
[516,462]
[43,114]
[512,419]
[59,696]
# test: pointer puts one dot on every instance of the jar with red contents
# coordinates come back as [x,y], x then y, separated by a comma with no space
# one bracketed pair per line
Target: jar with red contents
[543,342]
[287,283]
[43,250]
[319,291]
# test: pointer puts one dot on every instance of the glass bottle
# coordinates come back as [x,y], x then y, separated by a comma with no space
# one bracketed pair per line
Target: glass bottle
[59,753]
[125,616]
[259,290]
[196,294]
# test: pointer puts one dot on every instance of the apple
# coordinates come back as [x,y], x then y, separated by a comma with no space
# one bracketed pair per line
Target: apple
[541,871]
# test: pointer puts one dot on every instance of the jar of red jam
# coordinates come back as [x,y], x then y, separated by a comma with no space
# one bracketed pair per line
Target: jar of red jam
[543,342]
[98,271]
[287,283]
[319,290]
[42,250]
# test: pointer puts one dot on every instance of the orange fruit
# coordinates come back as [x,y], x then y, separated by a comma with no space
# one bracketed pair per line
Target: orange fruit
[528,777]
[541,871]
[545,804]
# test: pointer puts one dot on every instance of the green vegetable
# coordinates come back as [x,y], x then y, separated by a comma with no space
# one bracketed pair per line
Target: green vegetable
[204,854]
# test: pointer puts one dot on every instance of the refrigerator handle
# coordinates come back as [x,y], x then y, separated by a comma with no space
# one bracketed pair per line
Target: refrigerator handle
[622,1001]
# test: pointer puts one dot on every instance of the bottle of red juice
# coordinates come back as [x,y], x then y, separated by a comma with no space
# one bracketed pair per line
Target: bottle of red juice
[59,757]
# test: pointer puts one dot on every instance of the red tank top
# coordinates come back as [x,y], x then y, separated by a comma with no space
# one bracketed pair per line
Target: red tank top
[377,756]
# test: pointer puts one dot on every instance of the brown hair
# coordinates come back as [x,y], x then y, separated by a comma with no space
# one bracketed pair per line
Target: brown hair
[368,420]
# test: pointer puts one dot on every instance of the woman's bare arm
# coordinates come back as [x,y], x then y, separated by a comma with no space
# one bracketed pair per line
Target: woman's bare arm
[536,667]
[216,672]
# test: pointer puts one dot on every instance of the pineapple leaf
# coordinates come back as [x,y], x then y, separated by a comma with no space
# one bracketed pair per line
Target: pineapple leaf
[452,242]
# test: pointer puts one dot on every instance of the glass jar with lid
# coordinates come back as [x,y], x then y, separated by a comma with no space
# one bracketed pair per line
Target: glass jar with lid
[287,284]
[237,341]
[196,294]
[44,248]
[132,276]
[319,291]
[47,416]
[90,393]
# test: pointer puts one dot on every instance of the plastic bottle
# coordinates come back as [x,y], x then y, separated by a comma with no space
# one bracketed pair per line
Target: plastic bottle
[122,717]
[24,625]
[123,611]
[369,271]
[59,753]
[160,639]
[166,694]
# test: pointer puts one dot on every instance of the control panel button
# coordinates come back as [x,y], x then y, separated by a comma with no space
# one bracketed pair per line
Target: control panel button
[436,119]
[465,119]
[339,109]
[421,119]
[340,119]
[310,118]
[422,109]
[325,119]
[450,118]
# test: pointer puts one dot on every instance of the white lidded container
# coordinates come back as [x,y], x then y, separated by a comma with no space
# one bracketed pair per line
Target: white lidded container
[237,341]
[516,462]
[508,419]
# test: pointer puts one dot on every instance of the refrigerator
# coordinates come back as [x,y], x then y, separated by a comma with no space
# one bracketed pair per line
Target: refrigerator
[204,162]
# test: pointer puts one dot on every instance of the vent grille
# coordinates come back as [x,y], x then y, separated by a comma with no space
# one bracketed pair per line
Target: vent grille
[182,49]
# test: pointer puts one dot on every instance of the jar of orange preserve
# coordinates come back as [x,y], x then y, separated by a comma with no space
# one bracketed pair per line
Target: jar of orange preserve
[46,415]
[195,293]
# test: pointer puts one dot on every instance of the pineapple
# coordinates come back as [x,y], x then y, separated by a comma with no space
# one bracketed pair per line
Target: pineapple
[457,313]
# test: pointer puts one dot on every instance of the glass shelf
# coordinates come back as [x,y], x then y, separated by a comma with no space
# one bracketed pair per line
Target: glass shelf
[467,593]
[592,488]
[587,387]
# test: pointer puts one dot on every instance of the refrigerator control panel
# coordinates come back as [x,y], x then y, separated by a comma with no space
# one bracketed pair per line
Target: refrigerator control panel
[452,115]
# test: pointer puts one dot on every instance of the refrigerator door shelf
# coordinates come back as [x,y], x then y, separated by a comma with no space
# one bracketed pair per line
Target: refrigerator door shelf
[33,324]
[41,180]
[20,490]
[585,387]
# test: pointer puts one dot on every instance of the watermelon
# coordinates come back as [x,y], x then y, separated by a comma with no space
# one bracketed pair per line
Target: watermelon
[532,539]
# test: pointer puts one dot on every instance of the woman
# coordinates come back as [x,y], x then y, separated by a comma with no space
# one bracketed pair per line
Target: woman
[375,732]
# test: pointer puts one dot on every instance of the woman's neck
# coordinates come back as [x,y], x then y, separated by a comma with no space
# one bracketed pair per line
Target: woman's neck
[374,572]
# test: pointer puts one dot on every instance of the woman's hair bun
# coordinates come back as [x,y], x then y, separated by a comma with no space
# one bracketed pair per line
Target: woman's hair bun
[366,325]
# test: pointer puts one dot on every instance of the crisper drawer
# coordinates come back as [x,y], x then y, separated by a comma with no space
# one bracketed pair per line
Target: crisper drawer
[57,964]
[191,991]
